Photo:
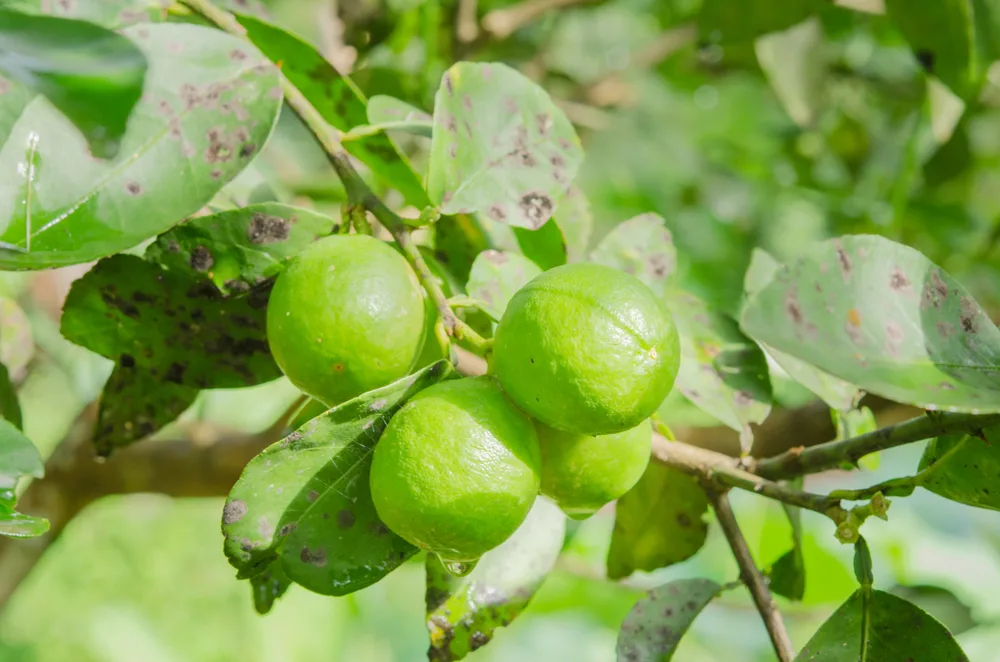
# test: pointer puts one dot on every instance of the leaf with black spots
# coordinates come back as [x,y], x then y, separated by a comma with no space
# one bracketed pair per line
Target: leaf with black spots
[134,405]
[339,101]
[239,249]
[641,246]
[882,316]
[966,468]
[305,500]
[658,621]
[463,613]
[171,326]
[501,147]
[677,505]
[209,103]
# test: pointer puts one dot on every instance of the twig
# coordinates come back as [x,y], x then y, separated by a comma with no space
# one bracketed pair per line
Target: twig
[358,191]
[501,23]
[752,577]
[832,454]
[466,29]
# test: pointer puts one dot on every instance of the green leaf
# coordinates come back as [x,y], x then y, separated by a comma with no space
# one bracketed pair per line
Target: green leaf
[209,104]
[898,630]
[10,408]
[463,614]
[496,276]
[392,113]
[339,101]
[92,75]
[676,503]
[641,246]
[458,240]
[728,21]
[268,586]
[949,39]
[134,405]
[863,563]
[18,525]
[112,15]
[788,575]
[880,315]
[18,458]
[171,326]
[965,468]
[241,248]
[305,499]
[500,146]
[940,603]
[658,621]
[545,246]
[17,346]
[722,371]
[576,223]
[794,61]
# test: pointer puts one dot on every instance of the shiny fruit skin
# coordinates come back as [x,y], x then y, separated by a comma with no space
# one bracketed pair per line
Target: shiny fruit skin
[582,473]
[457,469]
[347,316]
[586,348]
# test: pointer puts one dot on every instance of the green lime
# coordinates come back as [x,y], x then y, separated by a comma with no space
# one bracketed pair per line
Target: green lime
[582,473]
[347,316]
[456,470]
[586,348]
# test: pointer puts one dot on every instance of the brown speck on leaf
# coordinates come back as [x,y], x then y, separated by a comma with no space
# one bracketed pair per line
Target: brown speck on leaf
[844,260]
[201,259]
[378,528]
[220,149]
[497,212]
[742,398]
[215,174]
[854,332]
[467,102]
[234,511]
[899,282]
[477,640]
[449,85]
[683,520]
[945,329]
[543,122]
[237,55]
[510,103]
[792,308]
[175,48]
[5,85]
[189,95]
[946,386]
[267,229]
[452,150]
[935,292]
[495,256]
[175,373]
[537,208]
[345,519]
[275,92]
[312,496]
[133,188]
[894,336]
[287,528]
[557,161]
[315,557]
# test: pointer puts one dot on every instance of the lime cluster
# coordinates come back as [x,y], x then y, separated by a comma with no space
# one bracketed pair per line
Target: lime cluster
[582,356]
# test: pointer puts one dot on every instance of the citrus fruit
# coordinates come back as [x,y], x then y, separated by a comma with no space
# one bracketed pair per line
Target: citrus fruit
[586,348]
[456,470]
[582,473]
[347,316]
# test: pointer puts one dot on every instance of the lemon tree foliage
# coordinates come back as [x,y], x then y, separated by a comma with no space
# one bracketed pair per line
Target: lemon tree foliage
[455,236]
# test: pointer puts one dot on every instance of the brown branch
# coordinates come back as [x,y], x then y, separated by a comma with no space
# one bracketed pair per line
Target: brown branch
[501,23]
[466,28]
[752,577]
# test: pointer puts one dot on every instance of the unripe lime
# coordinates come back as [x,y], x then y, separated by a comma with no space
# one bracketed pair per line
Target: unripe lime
[586,348]
[456,470]
[582,473]
[347,316]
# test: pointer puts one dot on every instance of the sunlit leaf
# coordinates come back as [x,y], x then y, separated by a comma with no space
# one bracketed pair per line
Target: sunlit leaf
[496,276]
[391,113]
[795,63]
[966,467]
[641,246]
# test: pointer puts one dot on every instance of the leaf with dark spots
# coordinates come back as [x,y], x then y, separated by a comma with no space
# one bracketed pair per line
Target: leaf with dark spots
[496,276]
[463,613]
[134,405]
[676,503]
[179,331]
[268,586]
[305,499]
[69,208]
[641,246]
[240,248]
[339,101]
[966,467]
[18,458]
[658,621]
[897,630]
[510,160]
[722,371]
[843,307]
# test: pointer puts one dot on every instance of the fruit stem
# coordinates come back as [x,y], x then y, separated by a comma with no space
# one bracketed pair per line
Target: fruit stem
[358,192]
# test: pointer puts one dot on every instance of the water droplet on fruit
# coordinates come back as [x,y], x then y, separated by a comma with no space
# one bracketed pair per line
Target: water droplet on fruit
[459,568]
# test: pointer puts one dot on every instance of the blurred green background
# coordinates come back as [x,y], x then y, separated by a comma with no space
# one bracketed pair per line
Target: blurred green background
[736,147]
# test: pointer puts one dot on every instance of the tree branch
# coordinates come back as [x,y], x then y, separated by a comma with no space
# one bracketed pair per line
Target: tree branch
[501,23]
[801,461]
[752,577]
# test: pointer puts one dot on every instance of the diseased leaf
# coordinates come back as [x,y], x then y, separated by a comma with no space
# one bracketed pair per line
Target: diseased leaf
[898,630]
[545,246]
[676,503]
[92,75]
[339,101]
[965,468]
[658,621]
[241,248]
[501,147]
[392,113]
[722,371]
[10,408]
[268,586]
[576,222]
[112,15]
[305,499]
[496,276]
[463,614]
[171,326]
[134,405]
[209,104]
[795,62]
[728,21]
[840,395]
[641,246]
[880,315]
